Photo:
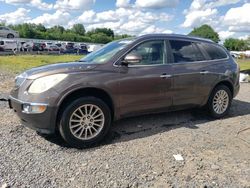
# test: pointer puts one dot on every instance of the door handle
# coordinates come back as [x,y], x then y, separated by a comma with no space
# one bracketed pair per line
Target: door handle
[166,76]
[204,72]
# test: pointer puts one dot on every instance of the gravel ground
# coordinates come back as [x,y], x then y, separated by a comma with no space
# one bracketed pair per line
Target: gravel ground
[138,152]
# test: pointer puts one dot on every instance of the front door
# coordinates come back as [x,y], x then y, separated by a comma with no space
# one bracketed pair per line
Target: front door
[146,86]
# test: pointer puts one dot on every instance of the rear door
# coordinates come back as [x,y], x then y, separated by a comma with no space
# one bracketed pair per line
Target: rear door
[188,66]
[215,68]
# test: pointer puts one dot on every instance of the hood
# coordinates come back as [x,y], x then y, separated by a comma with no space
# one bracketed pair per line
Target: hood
[57,68]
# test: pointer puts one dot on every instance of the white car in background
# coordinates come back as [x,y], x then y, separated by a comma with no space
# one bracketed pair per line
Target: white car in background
[8,45]
[94,47]
[8,33]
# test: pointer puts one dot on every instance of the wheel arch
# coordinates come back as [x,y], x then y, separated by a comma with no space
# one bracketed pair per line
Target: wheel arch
[10,34]
[223,82]
[84,92]
[226,83]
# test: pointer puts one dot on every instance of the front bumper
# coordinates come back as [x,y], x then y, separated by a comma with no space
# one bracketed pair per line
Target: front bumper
[41,122]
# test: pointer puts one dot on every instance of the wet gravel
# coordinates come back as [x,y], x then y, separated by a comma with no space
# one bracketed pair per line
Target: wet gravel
[138,152]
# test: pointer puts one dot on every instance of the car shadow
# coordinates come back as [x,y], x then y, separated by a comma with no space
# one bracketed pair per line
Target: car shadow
[148,125]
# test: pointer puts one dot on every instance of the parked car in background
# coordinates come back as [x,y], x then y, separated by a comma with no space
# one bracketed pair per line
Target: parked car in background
[26,46]
[38,46]
[81,46]
[8,45]
[1,46]
[94,47]
[70,45]
[134,76]
[47,45]
[61,46]
[8,33]
[53,47]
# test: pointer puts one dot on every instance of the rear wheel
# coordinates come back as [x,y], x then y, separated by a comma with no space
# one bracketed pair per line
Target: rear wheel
[10,36]
[85,122]
[219,101]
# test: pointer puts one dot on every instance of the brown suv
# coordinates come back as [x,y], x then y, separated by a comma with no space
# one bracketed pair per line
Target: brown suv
[148,74]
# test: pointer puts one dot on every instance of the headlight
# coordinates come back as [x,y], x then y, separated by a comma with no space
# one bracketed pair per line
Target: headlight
[45,83]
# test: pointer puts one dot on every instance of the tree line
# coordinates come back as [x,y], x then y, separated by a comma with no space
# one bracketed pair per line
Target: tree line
[104,35]
[77,33]
[231,44]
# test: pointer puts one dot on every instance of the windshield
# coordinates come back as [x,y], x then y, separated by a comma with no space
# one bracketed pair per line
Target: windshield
[105,53]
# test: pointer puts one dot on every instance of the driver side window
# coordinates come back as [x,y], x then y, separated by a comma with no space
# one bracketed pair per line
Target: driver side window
[151,52]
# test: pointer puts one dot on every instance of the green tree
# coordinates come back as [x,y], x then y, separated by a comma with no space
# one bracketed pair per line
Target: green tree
[56,29]
[78,29]
[108,32]
[248,42]
[25,30]
[76,34]
[100,38]
[205,31]
[118,37]
[235,44]
[40,28]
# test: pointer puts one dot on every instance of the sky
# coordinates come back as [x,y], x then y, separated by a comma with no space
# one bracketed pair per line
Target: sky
[230,18]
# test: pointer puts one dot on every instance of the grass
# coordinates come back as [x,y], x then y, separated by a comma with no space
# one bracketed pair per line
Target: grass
[244,64]
[19,63]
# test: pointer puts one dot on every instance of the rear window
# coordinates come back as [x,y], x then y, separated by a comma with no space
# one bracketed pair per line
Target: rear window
[214,51]
[185,51]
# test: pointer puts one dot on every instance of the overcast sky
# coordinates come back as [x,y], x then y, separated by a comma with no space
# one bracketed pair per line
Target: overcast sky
[230,18]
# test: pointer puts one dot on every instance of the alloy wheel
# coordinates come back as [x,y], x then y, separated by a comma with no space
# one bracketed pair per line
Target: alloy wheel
[220,101]
[86,122]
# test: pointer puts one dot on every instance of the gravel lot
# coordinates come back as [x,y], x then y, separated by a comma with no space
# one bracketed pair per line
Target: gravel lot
[137,153]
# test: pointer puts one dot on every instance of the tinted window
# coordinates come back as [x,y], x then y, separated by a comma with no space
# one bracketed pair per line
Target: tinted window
[184,51]
[152,52]
[214,51]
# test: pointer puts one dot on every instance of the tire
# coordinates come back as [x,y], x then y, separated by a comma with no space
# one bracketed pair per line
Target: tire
[74,130]
[10,36]
[217,107]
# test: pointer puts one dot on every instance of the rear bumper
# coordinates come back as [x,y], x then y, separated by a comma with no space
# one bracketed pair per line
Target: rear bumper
[236,90]
[42,122]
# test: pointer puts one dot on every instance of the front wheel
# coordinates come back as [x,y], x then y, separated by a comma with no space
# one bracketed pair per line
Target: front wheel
[85,122]
[219,101]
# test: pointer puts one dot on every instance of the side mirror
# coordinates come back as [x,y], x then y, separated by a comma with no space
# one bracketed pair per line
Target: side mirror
[132,58]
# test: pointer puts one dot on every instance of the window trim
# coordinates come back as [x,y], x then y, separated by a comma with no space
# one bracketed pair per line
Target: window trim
[202,50]
[165,50]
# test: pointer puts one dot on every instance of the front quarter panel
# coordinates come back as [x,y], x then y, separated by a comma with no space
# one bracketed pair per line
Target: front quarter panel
[105,80]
